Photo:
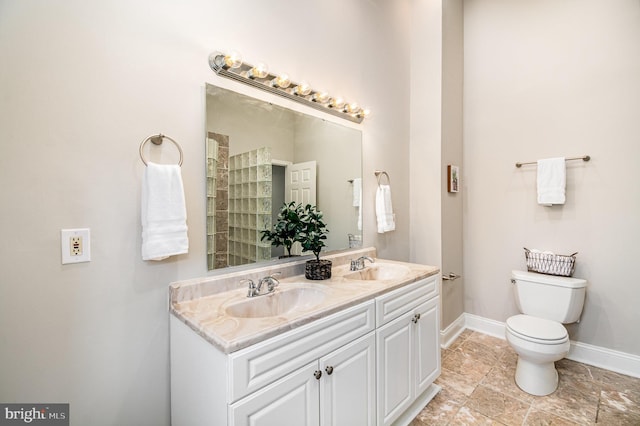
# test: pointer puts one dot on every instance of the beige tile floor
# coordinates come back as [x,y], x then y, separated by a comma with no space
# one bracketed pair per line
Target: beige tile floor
[478,388]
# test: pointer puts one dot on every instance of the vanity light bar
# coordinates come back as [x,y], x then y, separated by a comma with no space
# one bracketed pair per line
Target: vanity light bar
[231,66]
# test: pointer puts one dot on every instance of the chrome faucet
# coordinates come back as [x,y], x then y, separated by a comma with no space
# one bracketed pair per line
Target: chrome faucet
[256,290]
[358,264]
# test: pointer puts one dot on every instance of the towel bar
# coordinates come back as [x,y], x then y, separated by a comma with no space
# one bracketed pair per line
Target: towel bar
[157,140]
[583,158]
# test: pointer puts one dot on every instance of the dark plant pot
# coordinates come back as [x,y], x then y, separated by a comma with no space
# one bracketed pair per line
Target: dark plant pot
[317,269]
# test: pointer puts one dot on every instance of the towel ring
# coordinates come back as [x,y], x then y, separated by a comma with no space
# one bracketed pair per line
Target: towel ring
[379,174]
[157,140]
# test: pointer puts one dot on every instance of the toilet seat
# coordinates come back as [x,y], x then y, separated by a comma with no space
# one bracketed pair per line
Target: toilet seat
[537,330]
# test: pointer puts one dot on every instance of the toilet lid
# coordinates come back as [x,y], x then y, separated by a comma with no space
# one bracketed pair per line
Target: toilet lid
[537,328]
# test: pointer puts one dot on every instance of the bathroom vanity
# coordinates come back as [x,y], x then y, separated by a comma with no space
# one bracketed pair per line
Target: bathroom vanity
[361,348]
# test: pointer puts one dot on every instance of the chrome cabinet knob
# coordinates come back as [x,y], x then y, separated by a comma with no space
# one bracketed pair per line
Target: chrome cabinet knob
[329,369]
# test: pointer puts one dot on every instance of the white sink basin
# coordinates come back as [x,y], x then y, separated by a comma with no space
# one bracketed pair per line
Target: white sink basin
[379,272]
[278,303]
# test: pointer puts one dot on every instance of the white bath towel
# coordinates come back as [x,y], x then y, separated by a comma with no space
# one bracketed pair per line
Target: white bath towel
[551,181]
[357,199]
[384,209]
[163,211]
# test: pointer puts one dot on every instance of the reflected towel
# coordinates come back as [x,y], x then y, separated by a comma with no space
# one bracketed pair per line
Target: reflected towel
[357,199]
[551,181]
[384,209]
[163,212]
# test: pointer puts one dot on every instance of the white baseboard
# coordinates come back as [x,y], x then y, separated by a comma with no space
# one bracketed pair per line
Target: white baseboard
[485,325]
[609,359]
[451,333]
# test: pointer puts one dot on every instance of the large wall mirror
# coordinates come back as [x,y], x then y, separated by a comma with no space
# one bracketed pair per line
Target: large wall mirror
[261,156]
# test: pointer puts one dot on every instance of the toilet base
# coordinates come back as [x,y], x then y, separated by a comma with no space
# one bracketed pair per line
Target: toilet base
[538,379]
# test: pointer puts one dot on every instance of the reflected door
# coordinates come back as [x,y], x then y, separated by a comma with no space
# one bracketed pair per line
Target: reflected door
[300,186]
[300,183]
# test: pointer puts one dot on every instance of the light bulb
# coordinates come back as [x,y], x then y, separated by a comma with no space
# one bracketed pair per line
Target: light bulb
[259,71]
[302,89]
[365,112]
[233,60]
[337,102]
[321,97]
[352,108]
[282,81]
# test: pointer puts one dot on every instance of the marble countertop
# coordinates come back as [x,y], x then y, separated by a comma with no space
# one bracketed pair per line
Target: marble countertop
[207,314]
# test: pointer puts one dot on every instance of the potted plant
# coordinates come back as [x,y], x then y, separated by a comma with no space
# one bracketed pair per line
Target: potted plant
[313,233]
[285,230]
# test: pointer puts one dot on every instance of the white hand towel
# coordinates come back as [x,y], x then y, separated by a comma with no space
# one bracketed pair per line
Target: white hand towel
[163,211]
[551,181]
[357,199]
[384,209]
[357,192]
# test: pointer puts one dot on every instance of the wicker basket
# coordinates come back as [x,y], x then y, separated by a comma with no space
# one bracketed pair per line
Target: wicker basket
[550,264]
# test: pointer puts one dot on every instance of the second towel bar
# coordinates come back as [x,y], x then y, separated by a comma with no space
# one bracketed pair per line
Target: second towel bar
[583,158]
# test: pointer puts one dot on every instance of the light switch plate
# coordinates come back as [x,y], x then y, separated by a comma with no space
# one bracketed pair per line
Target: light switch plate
[75,245]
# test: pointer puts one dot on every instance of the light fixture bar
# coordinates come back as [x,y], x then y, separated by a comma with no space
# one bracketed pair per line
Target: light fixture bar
[241,73]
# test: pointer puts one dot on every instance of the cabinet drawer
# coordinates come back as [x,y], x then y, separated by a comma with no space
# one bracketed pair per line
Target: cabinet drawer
[396,303]
[259,365]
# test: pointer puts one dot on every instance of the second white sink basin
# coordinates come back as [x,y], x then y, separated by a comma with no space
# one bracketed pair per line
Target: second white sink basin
[379,272]
[278,303]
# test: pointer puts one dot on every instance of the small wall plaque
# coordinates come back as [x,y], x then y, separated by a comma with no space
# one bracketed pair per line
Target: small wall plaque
[453,178]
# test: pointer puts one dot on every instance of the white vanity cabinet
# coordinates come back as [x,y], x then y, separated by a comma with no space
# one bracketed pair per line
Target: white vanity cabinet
[322,373]
[338,389]
[408,350]
[368,364]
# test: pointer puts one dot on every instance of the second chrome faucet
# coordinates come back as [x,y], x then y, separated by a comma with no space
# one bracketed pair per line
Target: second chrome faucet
[358,263]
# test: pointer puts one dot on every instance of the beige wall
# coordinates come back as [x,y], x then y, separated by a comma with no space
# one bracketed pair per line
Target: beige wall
[426,131]
[82,83]
[546,79]
[452,203]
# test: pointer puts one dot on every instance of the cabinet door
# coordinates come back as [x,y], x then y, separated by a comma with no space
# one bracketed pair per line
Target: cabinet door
[291,401]
[427,344]
[348,384]
[394,368]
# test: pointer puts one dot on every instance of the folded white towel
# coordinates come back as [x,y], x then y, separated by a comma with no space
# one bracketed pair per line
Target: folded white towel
[551,181]
[384,209]
[357,192]
[163,212]
[357,199]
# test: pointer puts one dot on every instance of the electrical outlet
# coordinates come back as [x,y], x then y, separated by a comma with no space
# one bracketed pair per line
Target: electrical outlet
[75,245]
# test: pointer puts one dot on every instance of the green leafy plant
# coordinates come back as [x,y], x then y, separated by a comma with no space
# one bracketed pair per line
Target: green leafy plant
[287,228]
[313,231]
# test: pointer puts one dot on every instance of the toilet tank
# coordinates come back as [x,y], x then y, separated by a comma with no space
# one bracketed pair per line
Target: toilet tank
[546,296]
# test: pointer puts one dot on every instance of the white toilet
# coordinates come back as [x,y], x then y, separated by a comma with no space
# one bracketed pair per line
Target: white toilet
[537,335]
